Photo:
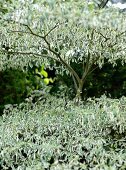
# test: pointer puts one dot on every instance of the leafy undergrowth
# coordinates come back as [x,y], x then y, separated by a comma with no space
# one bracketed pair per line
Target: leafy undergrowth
[54,135]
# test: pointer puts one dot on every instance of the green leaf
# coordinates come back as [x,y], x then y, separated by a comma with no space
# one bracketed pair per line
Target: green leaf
[46,81]
[36,70]
[44,51]
[51,80]
[91,6]
[44,73]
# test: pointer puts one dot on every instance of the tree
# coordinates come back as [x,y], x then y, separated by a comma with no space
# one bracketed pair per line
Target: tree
[63,32]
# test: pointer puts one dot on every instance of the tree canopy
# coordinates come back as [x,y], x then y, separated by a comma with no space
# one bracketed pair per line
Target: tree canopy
[62,32]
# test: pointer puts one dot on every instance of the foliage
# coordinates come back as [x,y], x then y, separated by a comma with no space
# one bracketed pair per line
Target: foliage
[109,80]
[16,85]
[42,73]
[62,32]
[56,135]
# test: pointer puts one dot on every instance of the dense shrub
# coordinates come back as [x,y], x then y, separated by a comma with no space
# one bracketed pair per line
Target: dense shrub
[12,87]
[16,85]
[57,135]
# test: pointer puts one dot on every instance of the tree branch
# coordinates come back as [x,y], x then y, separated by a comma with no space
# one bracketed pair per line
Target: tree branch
[23,24]
[51,30]
[72,71]
[28,53]
[33,33]
[118,35]
[106,38]
[74,80]
[96,68]
[88,65]
[103,4]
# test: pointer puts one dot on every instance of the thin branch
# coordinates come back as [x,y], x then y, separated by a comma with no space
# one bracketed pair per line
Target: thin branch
[74,80]
[88,63]
[72,71]
[33,33]
[51,30]
[118,35]
[106,38]
[23,24]
[51,50]
[88,73]
[96,68]
[28,53]
[103,4]
[88,66]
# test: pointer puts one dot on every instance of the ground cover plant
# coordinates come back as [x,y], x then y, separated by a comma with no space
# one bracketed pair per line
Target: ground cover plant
[59,136]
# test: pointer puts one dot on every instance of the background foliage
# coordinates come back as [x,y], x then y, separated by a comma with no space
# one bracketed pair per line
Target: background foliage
[16,85]
[108,80]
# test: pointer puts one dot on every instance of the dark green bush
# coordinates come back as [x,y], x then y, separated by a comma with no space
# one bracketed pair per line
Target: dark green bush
[16,85]
[12,87]
[109,80]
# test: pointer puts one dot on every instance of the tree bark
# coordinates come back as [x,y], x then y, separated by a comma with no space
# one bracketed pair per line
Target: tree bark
[78,97]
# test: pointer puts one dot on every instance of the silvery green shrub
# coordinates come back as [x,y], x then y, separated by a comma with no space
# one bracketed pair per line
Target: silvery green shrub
[59,136]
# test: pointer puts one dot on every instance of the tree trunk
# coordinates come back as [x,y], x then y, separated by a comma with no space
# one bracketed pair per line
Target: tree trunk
[78,97]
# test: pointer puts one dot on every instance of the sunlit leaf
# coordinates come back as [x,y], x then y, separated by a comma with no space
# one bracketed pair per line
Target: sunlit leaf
[44,73]
[46,81]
